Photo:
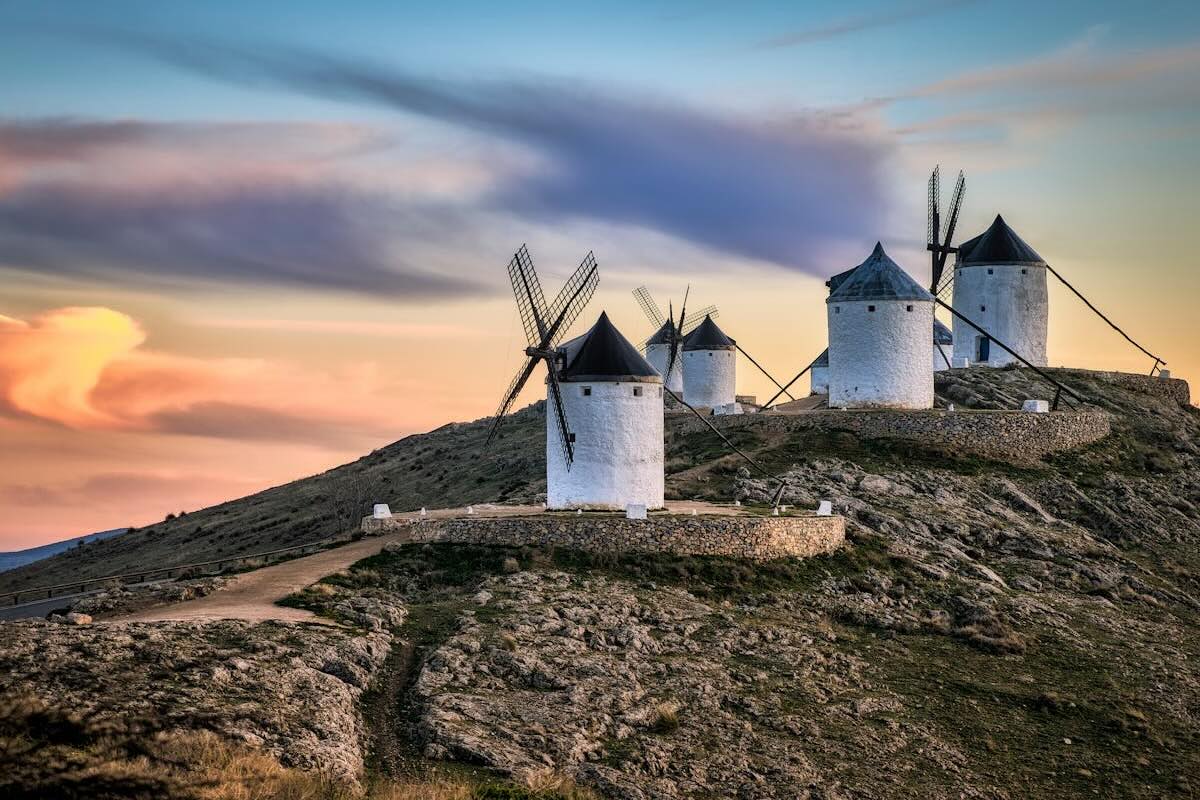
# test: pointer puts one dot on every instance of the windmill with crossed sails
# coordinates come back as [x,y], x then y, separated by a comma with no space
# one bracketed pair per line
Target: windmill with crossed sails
[604,408]
[696,340]
[667,335]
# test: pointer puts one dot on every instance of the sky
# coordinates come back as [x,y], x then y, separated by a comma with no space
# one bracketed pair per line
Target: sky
[244,243]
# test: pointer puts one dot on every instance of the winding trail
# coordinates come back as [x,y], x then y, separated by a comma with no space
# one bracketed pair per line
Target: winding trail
[252,596]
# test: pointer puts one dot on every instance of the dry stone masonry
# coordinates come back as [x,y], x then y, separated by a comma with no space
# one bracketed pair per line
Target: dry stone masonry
[1002,435]
[750,537]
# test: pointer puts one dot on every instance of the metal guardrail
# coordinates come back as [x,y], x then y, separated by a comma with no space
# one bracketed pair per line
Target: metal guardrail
[14,598]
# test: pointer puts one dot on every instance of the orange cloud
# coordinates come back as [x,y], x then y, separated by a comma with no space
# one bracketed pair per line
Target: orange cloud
[50,366]
[87,369]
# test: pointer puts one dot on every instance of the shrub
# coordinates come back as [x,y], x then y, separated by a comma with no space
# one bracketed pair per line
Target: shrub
[665,718]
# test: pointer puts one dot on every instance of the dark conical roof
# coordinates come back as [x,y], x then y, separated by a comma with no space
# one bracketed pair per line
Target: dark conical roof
[879,278]
[603,354]
[663,335]
[821,360]
[941,334]
[708,336]
[965,248]
[837,280]
[1000,244]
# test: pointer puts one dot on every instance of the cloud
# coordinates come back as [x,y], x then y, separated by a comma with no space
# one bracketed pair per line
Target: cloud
[296,235]
[220,420]
[1083,64]
[862,22]
[160,205]
[87,369]
[767,189]
[49,366]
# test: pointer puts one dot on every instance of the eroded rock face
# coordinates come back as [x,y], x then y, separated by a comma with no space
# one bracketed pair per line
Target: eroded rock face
[582,675]
[290,688]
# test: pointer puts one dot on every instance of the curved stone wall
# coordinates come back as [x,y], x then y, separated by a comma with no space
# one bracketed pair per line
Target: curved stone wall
[1003,435]
[618,428]
[658,355]
[756,538]
[879,354]
[709,377]
[1008,300]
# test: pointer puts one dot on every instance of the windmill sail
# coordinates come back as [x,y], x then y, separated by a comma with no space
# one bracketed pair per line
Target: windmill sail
[544,328]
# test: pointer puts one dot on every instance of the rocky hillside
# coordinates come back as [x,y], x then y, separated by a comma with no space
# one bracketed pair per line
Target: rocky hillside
[989,630]
[448,467]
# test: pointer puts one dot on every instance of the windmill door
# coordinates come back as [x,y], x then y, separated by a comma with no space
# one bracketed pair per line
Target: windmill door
[983,348]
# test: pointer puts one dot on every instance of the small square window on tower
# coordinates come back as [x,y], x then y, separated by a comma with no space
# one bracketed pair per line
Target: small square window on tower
[837,309]
[908,308]
[637,391]
[871,309]
[1024,271]
[990,270]
[587,391]
[983,308]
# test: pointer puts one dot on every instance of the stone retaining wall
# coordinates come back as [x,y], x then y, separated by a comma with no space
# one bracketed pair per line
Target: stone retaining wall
[1171,388]
[1005,435]
[755,538]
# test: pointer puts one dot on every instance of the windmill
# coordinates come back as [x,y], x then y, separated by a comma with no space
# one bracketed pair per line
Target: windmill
[937,237]
[667,336]
[544,329]
[662,348]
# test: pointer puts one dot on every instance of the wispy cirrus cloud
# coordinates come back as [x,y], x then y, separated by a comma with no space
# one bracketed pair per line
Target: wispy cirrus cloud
[770,188]
[859,23]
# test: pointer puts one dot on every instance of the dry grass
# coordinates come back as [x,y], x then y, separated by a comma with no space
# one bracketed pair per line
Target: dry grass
[665,718]
[550,784]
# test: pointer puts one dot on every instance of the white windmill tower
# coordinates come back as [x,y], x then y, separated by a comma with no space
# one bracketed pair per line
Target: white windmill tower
[1000,284]
[613,399]
[880,321]
[710,368]
[943,346]
[659,347]
[604,412]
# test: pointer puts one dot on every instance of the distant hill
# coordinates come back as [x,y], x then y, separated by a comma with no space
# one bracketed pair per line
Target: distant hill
[19,558]
[448,467]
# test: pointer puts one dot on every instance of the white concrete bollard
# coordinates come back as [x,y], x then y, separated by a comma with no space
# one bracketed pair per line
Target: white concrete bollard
[693,512]
[382,511]
[634,511]
[470,509]
[737,502]
[423,512]
[825,509]
[579,512]
[1036,406]
[775,511]
[1165,374]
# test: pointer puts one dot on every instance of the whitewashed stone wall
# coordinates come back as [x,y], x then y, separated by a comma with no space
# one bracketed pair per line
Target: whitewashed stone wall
[755,538]
[943,355]
[658,355]
[709,377]
[1009,301]
[618,447]
[880,358]
[819,380]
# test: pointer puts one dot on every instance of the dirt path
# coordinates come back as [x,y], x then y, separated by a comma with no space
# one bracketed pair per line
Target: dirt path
[252,596]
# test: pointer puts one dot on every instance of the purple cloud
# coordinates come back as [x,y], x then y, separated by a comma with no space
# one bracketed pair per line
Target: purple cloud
[774,190]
